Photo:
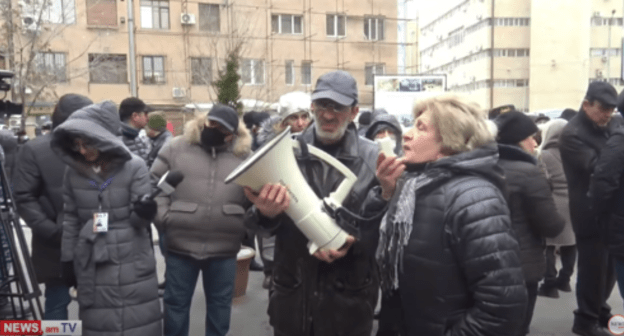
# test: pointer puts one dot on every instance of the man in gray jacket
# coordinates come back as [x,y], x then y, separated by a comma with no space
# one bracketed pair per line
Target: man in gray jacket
[133,114]
[202,219]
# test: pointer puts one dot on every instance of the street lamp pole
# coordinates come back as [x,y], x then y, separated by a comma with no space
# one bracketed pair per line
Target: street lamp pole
[609,48]
[131,51]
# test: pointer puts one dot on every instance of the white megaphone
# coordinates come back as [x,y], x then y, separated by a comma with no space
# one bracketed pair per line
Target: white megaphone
[275,162]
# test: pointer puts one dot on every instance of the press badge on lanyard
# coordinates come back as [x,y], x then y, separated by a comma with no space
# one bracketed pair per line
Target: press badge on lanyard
[100,218]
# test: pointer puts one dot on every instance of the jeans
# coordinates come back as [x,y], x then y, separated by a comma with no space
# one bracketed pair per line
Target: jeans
[218,276]
[56,300]
[568,259]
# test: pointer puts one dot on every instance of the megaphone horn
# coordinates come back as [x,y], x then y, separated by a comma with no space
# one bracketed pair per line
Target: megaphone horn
[305,209]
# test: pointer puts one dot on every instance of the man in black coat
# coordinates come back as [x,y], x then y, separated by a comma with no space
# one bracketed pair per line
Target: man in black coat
[39,195]
[332,292]
[580,144]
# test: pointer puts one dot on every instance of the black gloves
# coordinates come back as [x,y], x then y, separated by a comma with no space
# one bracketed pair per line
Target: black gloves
[145,208]
[68,274]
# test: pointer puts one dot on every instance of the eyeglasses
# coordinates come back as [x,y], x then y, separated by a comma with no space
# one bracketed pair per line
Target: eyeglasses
[82,143]
[326,105]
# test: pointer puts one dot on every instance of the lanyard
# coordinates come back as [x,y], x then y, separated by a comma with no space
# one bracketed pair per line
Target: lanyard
[101,189]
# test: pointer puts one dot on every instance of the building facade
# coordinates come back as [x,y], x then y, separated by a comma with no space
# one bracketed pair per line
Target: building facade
[180,46]
[534,54]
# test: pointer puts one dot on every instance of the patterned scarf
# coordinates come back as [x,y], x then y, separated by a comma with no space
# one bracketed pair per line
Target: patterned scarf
[396,225]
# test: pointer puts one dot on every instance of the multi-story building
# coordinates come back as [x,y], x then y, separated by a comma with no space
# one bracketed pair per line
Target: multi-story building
[533,54]
[181,45]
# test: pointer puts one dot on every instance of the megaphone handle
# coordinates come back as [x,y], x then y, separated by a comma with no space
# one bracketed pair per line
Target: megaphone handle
[343,189]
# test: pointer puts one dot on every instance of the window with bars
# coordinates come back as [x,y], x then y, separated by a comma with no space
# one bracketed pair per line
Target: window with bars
[306,72]
[286,24]
[108,68]
[289,72]
[336,25]
[153,69]
[374,28]
[201,70]
[253,71]
[102,13]
[372,69]
[52,65]
[155,14]
[209,18]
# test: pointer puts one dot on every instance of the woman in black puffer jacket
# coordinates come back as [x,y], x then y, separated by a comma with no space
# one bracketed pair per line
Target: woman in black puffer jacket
[447,253]
[534,215]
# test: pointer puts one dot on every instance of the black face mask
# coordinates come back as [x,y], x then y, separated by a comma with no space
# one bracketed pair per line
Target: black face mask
[212,137]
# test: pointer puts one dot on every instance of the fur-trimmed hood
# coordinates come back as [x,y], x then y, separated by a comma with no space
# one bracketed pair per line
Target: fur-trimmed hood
[241,145]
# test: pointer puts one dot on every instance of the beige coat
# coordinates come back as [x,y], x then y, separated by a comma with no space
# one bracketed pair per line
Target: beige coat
[203,217]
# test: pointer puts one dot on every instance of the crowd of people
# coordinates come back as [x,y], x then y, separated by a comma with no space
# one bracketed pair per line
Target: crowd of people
[454,232]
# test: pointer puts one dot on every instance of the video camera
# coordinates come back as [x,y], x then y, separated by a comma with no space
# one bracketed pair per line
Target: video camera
[7,107]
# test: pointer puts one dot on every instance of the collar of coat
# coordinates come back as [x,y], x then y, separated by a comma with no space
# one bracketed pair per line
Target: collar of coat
[515,153]
[129,131]
[241,145]
[350,146]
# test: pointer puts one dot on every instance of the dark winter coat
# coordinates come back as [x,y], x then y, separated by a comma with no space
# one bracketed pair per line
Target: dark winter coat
[580,145]
[338,298]
[8,141]
[157,144]
[607,192]
[116,270]
[462,273]
[38,184]
[204,217]
[136,142]
[534,215]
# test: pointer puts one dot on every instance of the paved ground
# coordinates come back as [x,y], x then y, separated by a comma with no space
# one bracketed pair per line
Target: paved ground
[552,317]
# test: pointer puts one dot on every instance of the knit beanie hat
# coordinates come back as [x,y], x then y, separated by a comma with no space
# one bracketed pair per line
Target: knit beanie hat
[67,105]
[513,127]
[157,122]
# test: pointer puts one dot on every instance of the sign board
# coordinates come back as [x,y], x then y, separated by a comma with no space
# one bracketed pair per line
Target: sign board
[398,93]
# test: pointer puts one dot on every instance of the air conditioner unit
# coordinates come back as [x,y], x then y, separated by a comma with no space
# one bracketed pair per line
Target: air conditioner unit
[604,59]
[187,19]
[598,73]
[178,92]
[29,24]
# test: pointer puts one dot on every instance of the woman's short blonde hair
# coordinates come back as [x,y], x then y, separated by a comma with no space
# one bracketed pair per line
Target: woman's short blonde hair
[461,125]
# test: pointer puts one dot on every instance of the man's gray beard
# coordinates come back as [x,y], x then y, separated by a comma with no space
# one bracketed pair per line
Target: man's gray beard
[330,137]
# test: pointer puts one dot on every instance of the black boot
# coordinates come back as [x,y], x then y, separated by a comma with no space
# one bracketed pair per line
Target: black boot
[548,291]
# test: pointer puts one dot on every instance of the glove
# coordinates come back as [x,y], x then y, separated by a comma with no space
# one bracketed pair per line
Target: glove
[68,274]
[145,208]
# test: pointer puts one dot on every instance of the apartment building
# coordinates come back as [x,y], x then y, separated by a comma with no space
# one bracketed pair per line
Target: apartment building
[181,45]
[534,54]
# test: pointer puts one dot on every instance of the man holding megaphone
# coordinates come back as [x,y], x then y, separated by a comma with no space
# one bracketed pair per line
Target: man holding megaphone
[332,291]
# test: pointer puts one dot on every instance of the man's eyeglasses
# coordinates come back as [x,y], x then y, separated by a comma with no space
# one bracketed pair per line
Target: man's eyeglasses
[326,105]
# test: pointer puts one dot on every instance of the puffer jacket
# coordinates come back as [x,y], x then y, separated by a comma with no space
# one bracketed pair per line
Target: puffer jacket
[461,272]
[337,298]
[136,142]
[550,163]
[39,195]
[115,270]
[203,217]
[580,144]
[157,144]
[534,215]
[607,192]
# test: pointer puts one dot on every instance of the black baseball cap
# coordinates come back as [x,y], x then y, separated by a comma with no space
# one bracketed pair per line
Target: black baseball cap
[225,116]
[338,86]
[603,92]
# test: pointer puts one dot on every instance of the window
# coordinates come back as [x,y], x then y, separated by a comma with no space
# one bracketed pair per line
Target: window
[373,69]
[102,12]
[253,71]
[49,11]
[155,14]
[108,68]
[374,28]
[286,24]
[306,72]
[336,25]
[153,69]
[201,70]
[209,18]
[289,72]
[52,65]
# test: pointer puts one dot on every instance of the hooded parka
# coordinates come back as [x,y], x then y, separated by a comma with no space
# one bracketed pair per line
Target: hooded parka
[337,298]
[203,217]
[115,270]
